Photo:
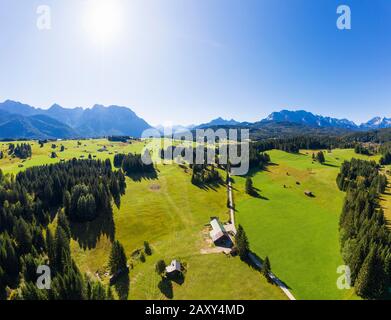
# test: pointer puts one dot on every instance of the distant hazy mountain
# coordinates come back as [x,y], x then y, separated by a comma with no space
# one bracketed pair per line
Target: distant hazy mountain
[18,120]
[218,122]
[309,119]
[71,117]
[14,107]
[95,122]
[15,126]
[377,123]
[288,122]
[112,120]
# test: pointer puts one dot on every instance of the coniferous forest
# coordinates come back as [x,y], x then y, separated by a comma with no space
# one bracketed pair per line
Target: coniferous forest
[365,238]
[73,191]
[133,164]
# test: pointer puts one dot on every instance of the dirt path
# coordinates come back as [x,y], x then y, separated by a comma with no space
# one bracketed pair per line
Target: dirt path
[277,281]
[231,204]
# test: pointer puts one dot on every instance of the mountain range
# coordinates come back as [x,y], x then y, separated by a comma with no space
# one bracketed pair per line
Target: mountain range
[304,118]
[22,121]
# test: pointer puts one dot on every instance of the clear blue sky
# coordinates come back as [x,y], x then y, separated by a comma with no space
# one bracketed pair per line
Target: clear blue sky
[188,61]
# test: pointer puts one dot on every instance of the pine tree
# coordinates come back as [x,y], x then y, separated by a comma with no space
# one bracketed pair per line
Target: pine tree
[109,294]
[23,236]
[147,248]
[30,291]
[249,186]
[370,283]
[242,243]
[62,251]
[160,267]
[67,203]
[63,222]
[69,285]
[117,259]
[51,247]
[266,268]
[29,267]
[320,157]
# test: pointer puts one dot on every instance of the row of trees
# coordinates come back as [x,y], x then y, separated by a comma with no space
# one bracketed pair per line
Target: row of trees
[319,157]
[190,154]
[22,151]
[118,138]
[365,238]
[203,174]
[134,163]
[365,150]
[294,144]
[255,158]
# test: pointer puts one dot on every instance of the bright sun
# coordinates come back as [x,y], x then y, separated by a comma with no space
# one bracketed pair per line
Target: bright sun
[103,20]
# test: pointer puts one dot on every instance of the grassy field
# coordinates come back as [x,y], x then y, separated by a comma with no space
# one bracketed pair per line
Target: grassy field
[168,212]
[298,233]
[72,150]
[171,215]
[98,148]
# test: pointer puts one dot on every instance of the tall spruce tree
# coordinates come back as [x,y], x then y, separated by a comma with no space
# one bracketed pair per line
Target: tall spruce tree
[320,157]
[117,259]
[63,222]
[242,243]
[370,283]
[249,186]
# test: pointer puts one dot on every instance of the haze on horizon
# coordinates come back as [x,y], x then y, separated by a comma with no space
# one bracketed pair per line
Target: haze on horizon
[190,61]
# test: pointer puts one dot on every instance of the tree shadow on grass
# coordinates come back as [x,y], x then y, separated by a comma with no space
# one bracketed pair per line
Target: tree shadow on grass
[256,267]
[330,165]
[211,185]
[178,278]
[122,285]
[87,234]
[165,287]
[255,193]
[138,177]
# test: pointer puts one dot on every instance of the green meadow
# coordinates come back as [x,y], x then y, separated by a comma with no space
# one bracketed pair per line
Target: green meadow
[168,212]
[298,233]
[171,214]
[42,156]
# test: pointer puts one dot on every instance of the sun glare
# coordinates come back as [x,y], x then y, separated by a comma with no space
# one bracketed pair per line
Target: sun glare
[103,20]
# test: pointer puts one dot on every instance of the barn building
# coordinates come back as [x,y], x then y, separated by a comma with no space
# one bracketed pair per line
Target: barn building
[218,234]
